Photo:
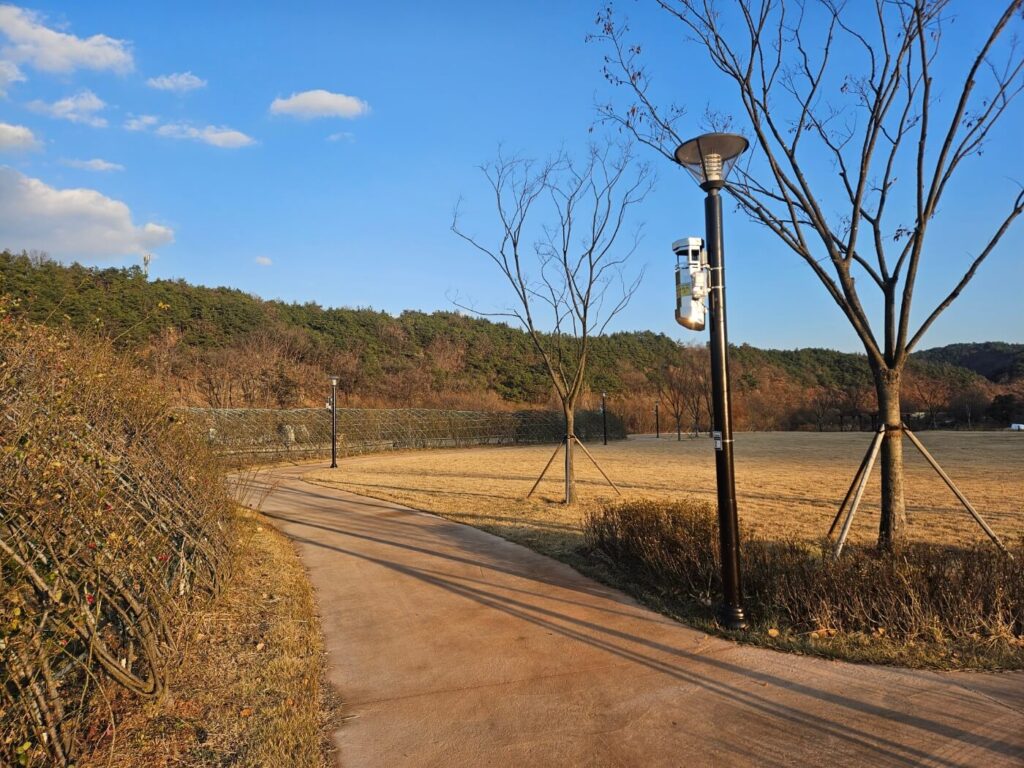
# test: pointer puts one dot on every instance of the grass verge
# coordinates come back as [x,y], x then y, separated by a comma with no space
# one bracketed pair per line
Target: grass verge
[249,689]
[926,605]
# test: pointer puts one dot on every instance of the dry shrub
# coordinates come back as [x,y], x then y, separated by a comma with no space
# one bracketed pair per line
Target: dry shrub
[927,604]
[113,521]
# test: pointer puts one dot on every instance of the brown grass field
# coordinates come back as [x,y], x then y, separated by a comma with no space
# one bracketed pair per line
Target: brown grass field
[789,485]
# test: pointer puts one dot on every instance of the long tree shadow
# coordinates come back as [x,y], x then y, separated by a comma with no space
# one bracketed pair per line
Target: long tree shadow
[523,572]
[617,643]
[380,531]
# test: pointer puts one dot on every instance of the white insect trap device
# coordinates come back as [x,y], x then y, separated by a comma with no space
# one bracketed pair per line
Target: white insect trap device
[691,282]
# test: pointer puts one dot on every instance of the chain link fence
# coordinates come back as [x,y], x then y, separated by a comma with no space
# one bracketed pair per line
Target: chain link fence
[257,434]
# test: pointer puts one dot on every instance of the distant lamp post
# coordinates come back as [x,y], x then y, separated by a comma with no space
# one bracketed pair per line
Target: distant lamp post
[334,420]
[657,422]
[709,158]
[604,418]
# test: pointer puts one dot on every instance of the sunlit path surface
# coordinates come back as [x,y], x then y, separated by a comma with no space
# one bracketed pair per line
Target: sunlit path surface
[453,647]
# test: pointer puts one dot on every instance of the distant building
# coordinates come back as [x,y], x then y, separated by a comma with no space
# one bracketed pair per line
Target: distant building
[1017,427]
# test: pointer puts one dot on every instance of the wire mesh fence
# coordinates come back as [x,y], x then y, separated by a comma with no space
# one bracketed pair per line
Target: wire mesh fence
[257,434]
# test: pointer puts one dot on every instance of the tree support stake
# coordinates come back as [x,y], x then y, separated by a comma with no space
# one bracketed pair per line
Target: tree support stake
[564,444]
[860,481]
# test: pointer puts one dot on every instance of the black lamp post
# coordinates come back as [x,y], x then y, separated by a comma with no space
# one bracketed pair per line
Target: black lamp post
[657,422]
[334,420]
[604,418]
[709,158]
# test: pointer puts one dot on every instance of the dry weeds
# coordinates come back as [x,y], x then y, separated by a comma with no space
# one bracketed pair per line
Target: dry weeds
[251,692]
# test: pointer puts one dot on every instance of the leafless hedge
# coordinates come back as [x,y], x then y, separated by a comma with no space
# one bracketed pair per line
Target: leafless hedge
[113,521]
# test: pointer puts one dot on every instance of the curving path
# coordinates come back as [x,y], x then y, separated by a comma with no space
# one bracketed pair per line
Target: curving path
[452,647]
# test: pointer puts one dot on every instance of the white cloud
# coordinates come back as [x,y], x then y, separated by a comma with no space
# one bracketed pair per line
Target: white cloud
[140,122]
[217,136]
[264,261]
[96,164]
[320,103]
[31,42]
[80,108]
[179,82]
[9,75]
[346,136]
[16,137]
[71,223]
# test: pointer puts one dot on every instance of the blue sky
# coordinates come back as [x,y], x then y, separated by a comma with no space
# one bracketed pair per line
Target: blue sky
[343,192]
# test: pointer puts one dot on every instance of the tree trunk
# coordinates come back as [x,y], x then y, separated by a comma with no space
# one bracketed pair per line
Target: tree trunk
[570,437]
[894,510]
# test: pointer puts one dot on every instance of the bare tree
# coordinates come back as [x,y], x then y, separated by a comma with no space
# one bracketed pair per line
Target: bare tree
[684,383]
[561,245]
[811,86]
[823,404]
[968,405]
[672,386]
[856,400]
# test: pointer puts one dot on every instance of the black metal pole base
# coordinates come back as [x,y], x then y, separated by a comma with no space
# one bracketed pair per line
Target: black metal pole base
[732,617]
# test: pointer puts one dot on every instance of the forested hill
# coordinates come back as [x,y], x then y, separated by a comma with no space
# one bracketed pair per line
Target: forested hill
[226,348]
[995,360]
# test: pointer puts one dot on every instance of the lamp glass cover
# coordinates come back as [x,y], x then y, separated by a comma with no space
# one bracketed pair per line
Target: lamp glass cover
[710,157]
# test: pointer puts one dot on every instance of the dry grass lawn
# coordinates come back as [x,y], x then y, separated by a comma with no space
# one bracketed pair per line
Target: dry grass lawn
[788,484]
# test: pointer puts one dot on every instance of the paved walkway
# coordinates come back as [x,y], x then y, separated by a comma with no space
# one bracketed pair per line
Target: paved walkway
[451,647]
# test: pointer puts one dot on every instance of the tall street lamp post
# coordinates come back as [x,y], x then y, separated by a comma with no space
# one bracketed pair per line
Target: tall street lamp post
[657,422]
[604,418]
[334,420]
[709,158]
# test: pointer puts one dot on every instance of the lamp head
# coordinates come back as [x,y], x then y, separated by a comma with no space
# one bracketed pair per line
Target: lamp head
[334,380]
[710,157]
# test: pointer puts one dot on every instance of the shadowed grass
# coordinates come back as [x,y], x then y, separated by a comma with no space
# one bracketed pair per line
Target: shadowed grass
[926,605]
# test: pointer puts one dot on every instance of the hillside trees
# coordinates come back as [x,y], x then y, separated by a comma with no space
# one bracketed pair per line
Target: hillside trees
[247,352]
[562,244]
[853,154]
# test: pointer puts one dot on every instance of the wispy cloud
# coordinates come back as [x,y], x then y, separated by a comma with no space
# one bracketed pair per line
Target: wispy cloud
[346,136]
[264,261]
[140,122]
[214,135]
[96,164]
[71,223]
[17,138]
[217,136]
[80,108]
[179,82]
[31,42]
[9,75]
[319,103]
